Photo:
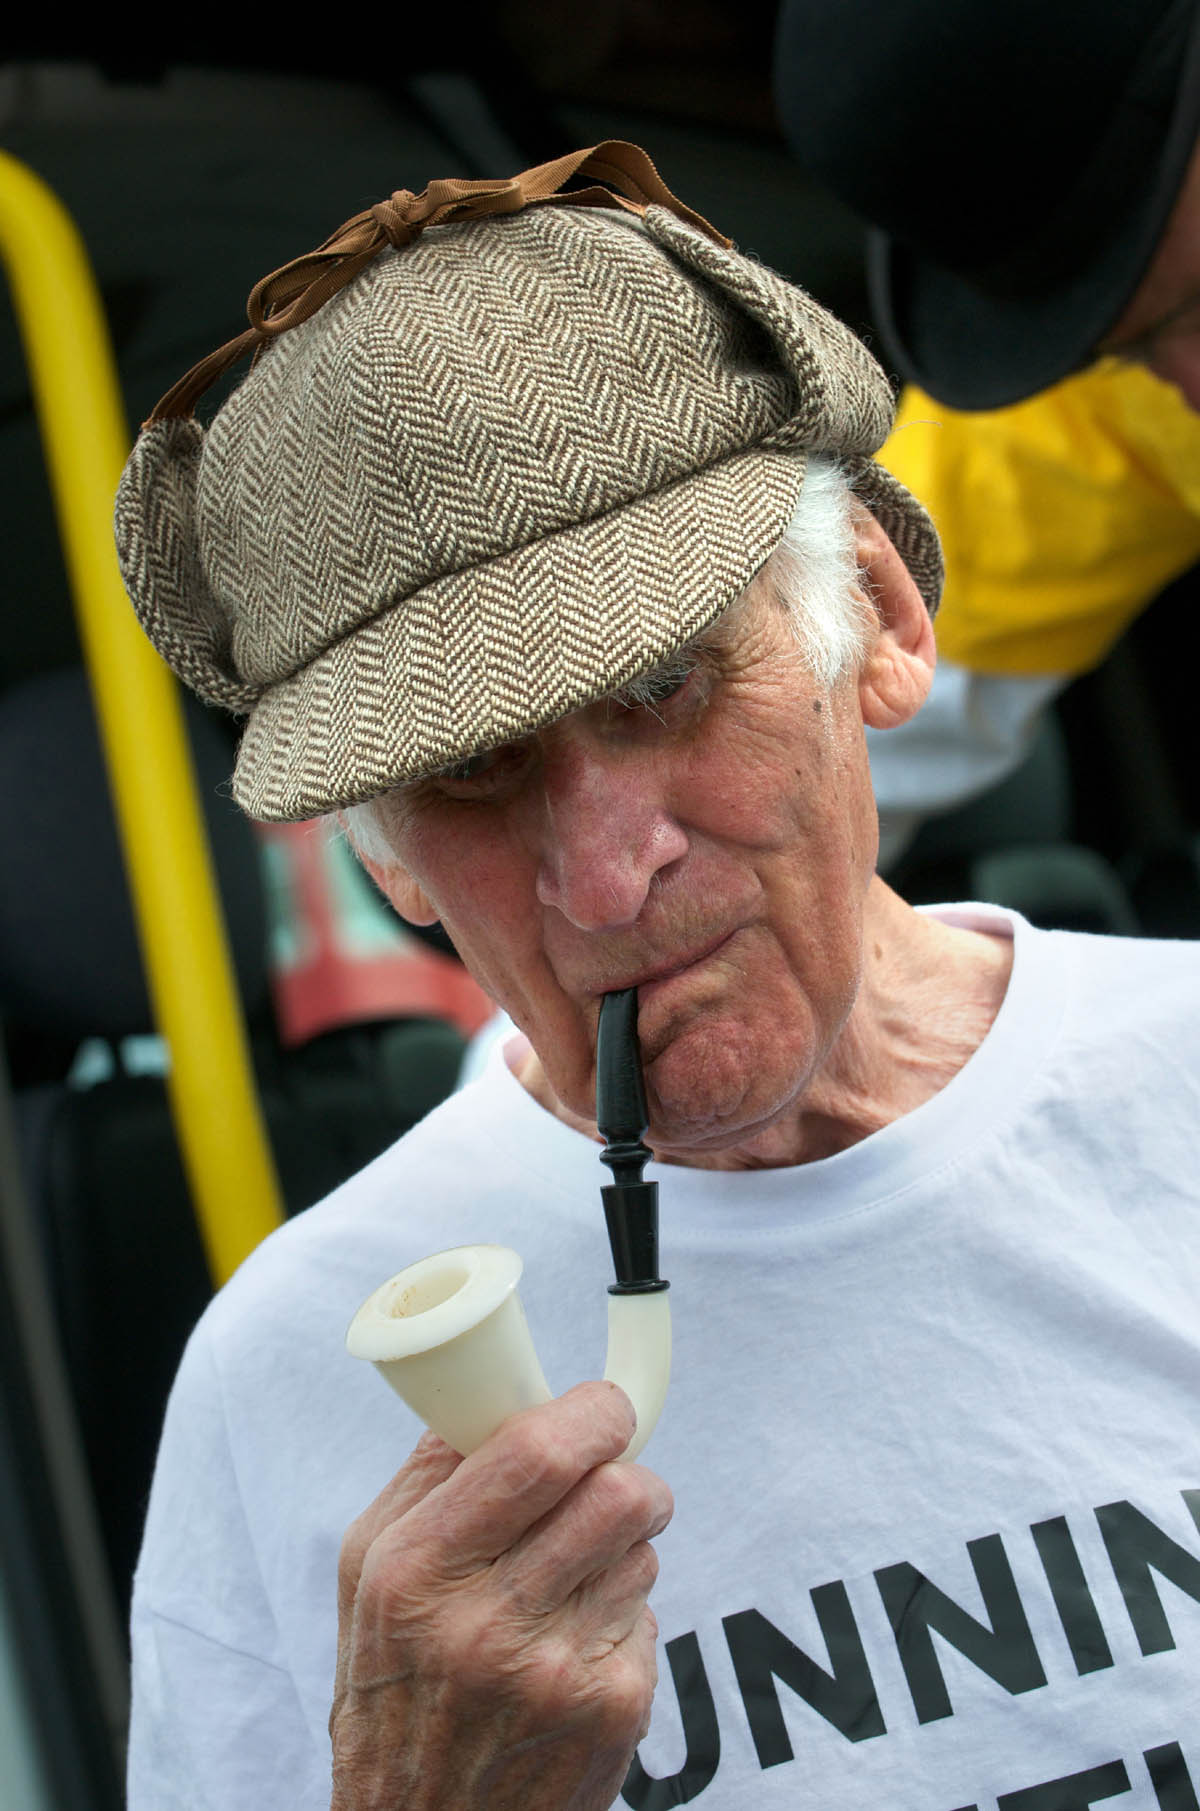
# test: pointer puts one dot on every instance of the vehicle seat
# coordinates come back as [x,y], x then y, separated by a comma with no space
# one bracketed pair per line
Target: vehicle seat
[98,1150]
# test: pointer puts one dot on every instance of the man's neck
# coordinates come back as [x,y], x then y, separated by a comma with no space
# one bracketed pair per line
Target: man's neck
[928,997]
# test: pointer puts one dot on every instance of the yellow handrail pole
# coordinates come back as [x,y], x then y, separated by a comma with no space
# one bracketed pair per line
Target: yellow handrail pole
[214,1101]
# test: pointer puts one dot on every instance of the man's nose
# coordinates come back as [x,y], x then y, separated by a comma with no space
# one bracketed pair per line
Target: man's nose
[605,834]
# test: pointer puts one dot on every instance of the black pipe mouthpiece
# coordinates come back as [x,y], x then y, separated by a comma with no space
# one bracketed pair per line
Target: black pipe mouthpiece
[630,1205]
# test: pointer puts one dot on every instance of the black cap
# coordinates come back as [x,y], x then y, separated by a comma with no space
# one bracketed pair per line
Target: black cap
[1017,162]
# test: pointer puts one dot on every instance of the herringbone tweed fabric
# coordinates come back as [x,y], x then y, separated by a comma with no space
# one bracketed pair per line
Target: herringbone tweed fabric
[509,468]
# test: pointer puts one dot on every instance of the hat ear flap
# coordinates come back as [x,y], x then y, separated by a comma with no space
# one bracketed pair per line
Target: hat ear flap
[907,524]
[159,555]
[843,402]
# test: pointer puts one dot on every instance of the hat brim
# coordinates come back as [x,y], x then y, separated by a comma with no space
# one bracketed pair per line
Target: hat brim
[495,652]
[987,339]
[501,650]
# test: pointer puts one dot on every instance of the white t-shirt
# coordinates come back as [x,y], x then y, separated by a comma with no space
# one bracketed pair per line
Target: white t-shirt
[931,1433]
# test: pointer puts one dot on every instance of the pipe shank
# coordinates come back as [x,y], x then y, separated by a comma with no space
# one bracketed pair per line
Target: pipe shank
[639,1357]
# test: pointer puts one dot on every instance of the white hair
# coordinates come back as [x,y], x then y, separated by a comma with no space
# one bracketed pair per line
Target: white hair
[360,824]
[815,577]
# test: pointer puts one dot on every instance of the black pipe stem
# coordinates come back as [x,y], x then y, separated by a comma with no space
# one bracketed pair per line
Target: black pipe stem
[630,1205]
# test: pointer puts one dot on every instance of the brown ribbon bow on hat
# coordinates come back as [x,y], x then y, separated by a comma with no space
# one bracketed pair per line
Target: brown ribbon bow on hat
[297,290]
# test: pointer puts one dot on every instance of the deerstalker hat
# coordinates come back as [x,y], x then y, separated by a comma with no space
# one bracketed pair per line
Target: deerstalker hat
[497,458]
[1016,162]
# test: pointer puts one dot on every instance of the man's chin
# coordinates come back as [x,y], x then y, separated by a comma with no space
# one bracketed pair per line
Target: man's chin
[710,1089]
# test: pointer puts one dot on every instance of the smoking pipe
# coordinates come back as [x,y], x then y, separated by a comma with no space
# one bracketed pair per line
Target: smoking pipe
[449,1332]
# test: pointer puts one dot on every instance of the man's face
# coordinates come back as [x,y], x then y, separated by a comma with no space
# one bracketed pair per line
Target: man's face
[712,848]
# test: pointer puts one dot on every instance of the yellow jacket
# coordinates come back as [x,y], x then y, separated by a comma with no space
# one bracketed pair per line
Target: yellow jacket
[1061,517]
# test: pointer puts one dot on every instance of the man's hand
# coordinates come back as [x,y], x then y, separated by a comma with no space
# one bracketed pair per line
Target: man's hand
[495,1649]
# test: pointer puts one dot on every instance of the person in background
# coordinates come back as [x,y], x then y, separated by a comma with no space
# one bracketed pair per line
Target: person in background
[1031,180]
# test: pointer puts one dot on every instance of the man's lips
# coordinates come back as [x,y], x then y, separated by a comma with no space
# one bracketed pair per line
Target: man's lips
[666,969]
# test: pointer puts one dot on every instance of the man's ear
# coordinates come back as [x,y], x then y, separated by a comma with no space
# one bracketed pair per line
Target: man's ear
[398,885]
[898,671]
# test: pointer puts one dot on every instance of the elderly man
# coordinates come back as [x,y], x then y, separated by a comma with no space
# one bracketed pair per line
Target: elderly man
[545,544]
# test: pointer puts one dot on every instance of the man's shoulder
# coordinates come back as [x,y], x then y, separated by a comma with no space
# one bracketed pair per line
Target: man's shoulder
[1138,975]
[1142,976]
[1132,1016]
